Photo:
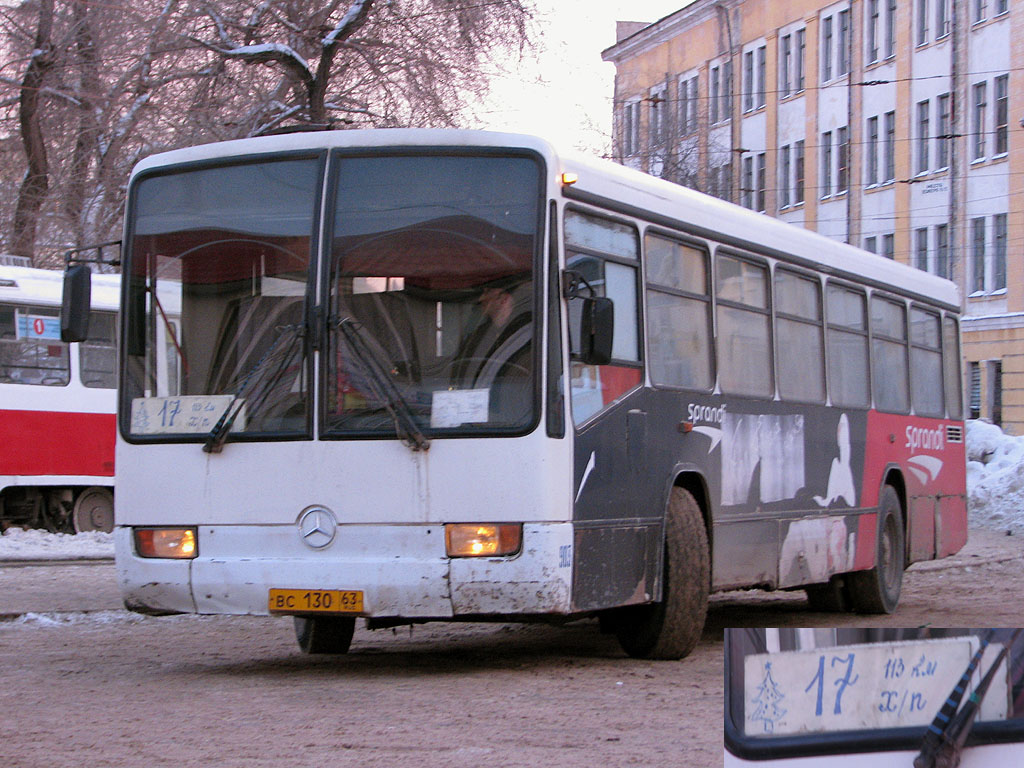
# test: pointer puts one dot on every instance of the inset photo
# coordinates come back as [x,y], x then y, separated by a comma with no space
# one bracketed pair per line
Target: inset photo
[885,698]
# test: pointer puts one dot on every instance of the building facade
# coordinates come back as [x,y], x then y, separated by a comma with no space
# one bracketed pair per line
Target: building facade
[889,125]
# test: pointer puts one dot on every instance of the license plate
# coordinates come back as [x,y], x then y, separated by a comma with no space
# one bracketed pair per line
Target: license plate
[299,601]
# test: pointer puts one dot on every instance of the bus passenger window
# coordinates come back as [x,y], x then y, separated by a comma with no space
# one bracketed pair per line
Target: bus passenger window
[847,348]
[926,363]
[744,328]
[97,356]
[679,314]
[31,351]
[951,368]
[801,346]
[889,355]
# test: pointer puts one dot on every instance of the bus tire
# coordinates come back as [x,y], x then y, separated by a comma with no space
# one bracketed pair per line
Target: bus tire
[878,590]
[670,629]
[93,510]
[324,634]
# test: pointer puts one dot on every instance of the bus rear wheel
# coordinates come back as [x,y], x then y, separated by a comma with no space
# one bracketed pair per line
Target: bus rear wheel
[878,590]
[671,628]
[324,634]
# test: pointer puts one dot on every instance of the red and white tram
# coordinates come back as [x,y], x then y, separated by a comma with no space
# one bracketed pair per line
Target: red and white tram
[57,405]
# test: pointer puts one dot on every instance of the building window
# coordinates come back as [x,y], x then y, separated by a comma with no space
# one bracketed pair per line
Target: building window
[921,249]
[1002,6]
[1001,133]
[872,11]
[801,49]
[726,111]
[759,203]
[762,57]
[785,63]
[922,136]
[656,129]
[922,21]
[979,10]
[798,168]
[945,131]
[784,177]
[714,90]
[941,18]
[978,254]
[999,252]
[871,244]
[890,146]
[747,193]
[889,246]
[872,152]
[748,81]
[826,49]
[688,103]
[890,30]
[843,49]
[942,265]
[979,105]
[631,128]
[974,389]
[843,160]
[826,164]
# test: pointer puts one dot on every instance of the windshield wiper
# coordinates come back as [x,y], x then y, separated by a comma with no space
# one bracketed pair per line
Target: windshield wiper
[384,387]
[944,741]
[215,439]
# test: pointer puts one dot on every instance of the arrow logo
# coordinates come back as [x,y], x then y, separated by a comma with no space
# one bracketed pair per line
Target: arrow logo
[713,432]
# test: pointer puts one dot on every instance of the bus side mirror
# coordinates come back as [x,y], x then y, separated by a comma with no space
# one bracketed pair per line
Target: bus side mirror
[74,311]
[597,327]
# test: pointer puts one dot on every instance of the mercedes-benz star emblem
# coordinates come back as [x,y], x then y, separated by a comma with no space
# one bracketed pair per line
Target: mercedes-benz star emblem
[317,527]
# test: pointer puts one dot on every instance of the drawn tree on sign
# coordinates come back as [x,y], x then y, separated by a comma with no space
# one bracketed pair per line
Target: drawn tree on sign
[768,700]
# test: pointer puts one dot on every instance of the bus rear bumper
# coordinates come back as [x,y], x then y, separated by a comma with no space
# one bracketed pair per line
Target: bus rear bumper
[401,570]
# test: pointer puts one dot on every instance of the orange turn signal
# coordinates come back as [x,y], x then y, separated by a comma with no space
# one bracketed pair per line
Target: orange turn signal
[487,540]
[175,543]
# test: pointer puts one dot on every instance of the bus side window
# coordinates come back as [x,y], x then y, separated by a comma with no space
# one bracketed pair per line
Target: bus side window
[97,354]
[606,254]
[744,327]
[951,368]
[847,347]
[31,351]
[926,363]
[889,355]
[801,344]
[679,314]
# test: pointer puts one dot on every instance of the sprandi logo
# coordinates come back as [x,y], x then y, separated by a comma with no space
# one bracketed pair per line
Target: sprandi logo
[925,439]
[705,413]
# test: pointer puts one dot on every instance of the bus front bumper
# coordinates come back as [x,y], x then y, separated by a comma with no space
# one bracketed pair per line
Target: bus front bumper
[402,571]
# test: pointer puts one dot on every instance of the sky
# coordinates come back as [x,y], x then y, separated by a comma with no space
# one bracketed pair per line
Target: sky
[564,91]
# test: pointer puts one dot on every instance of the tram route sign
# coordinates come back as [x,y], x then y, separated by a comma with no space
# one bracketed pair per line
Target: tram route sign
[853,687]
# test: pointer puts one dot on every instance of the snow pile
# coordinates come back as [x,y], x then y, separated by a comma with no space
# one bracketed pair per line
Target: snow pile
[995,477]
[18,544]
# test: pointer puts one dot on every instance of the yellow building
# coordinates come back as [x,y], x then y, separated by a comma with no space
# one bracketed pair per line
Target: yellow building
[884,124]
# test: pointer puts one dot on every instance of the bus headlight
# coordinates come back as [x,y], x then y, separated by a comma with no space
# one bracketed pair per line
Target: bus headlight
[477,540]
[176,543]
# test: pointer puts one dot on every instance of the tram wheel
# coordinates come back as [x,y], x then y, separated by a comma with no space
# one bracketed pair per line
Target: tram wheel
[94,510]
[878,590]
[324,634]
[670,629]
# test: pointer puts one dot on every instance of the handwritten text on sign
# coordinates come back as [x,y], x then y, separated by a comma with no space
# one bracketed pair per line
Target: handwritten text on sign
[183,414]
[881,685]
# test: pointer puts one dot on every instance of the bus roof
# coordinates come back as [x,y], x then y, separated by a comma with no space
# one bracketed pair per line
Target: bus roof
[629,189]
[45,287]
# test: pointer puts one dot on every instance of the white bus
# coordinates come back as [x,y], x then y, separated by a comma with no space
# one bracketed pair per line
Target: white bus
[874,698]
[57,405]
[457,375]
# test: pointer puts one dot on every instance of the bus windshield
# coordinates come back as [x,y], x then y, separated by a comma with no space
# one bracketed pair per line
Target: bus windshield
[432,294]
[428,314]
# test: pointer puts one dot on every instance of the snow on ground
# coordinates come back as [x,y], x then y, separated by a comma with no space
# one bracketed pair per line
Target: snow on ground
[18,544]
[995,487]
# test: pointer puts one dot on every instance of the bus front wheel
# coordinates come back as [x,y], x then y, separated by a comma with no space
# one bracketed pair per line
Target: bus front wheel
[324,634]
[670,629]
[878,590]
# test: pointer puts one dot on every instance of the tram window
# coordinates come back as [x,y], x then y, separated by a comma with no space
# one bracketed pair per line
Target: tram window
[889,355]
[97,356]
[31,351]
[951,368]
[678,314]
[801,344]
[926,363]
[847,347]
[744,327]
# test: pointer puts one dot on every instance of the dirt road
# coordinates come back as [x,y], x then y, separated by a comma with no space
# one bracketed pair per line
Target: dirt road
[107,688]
